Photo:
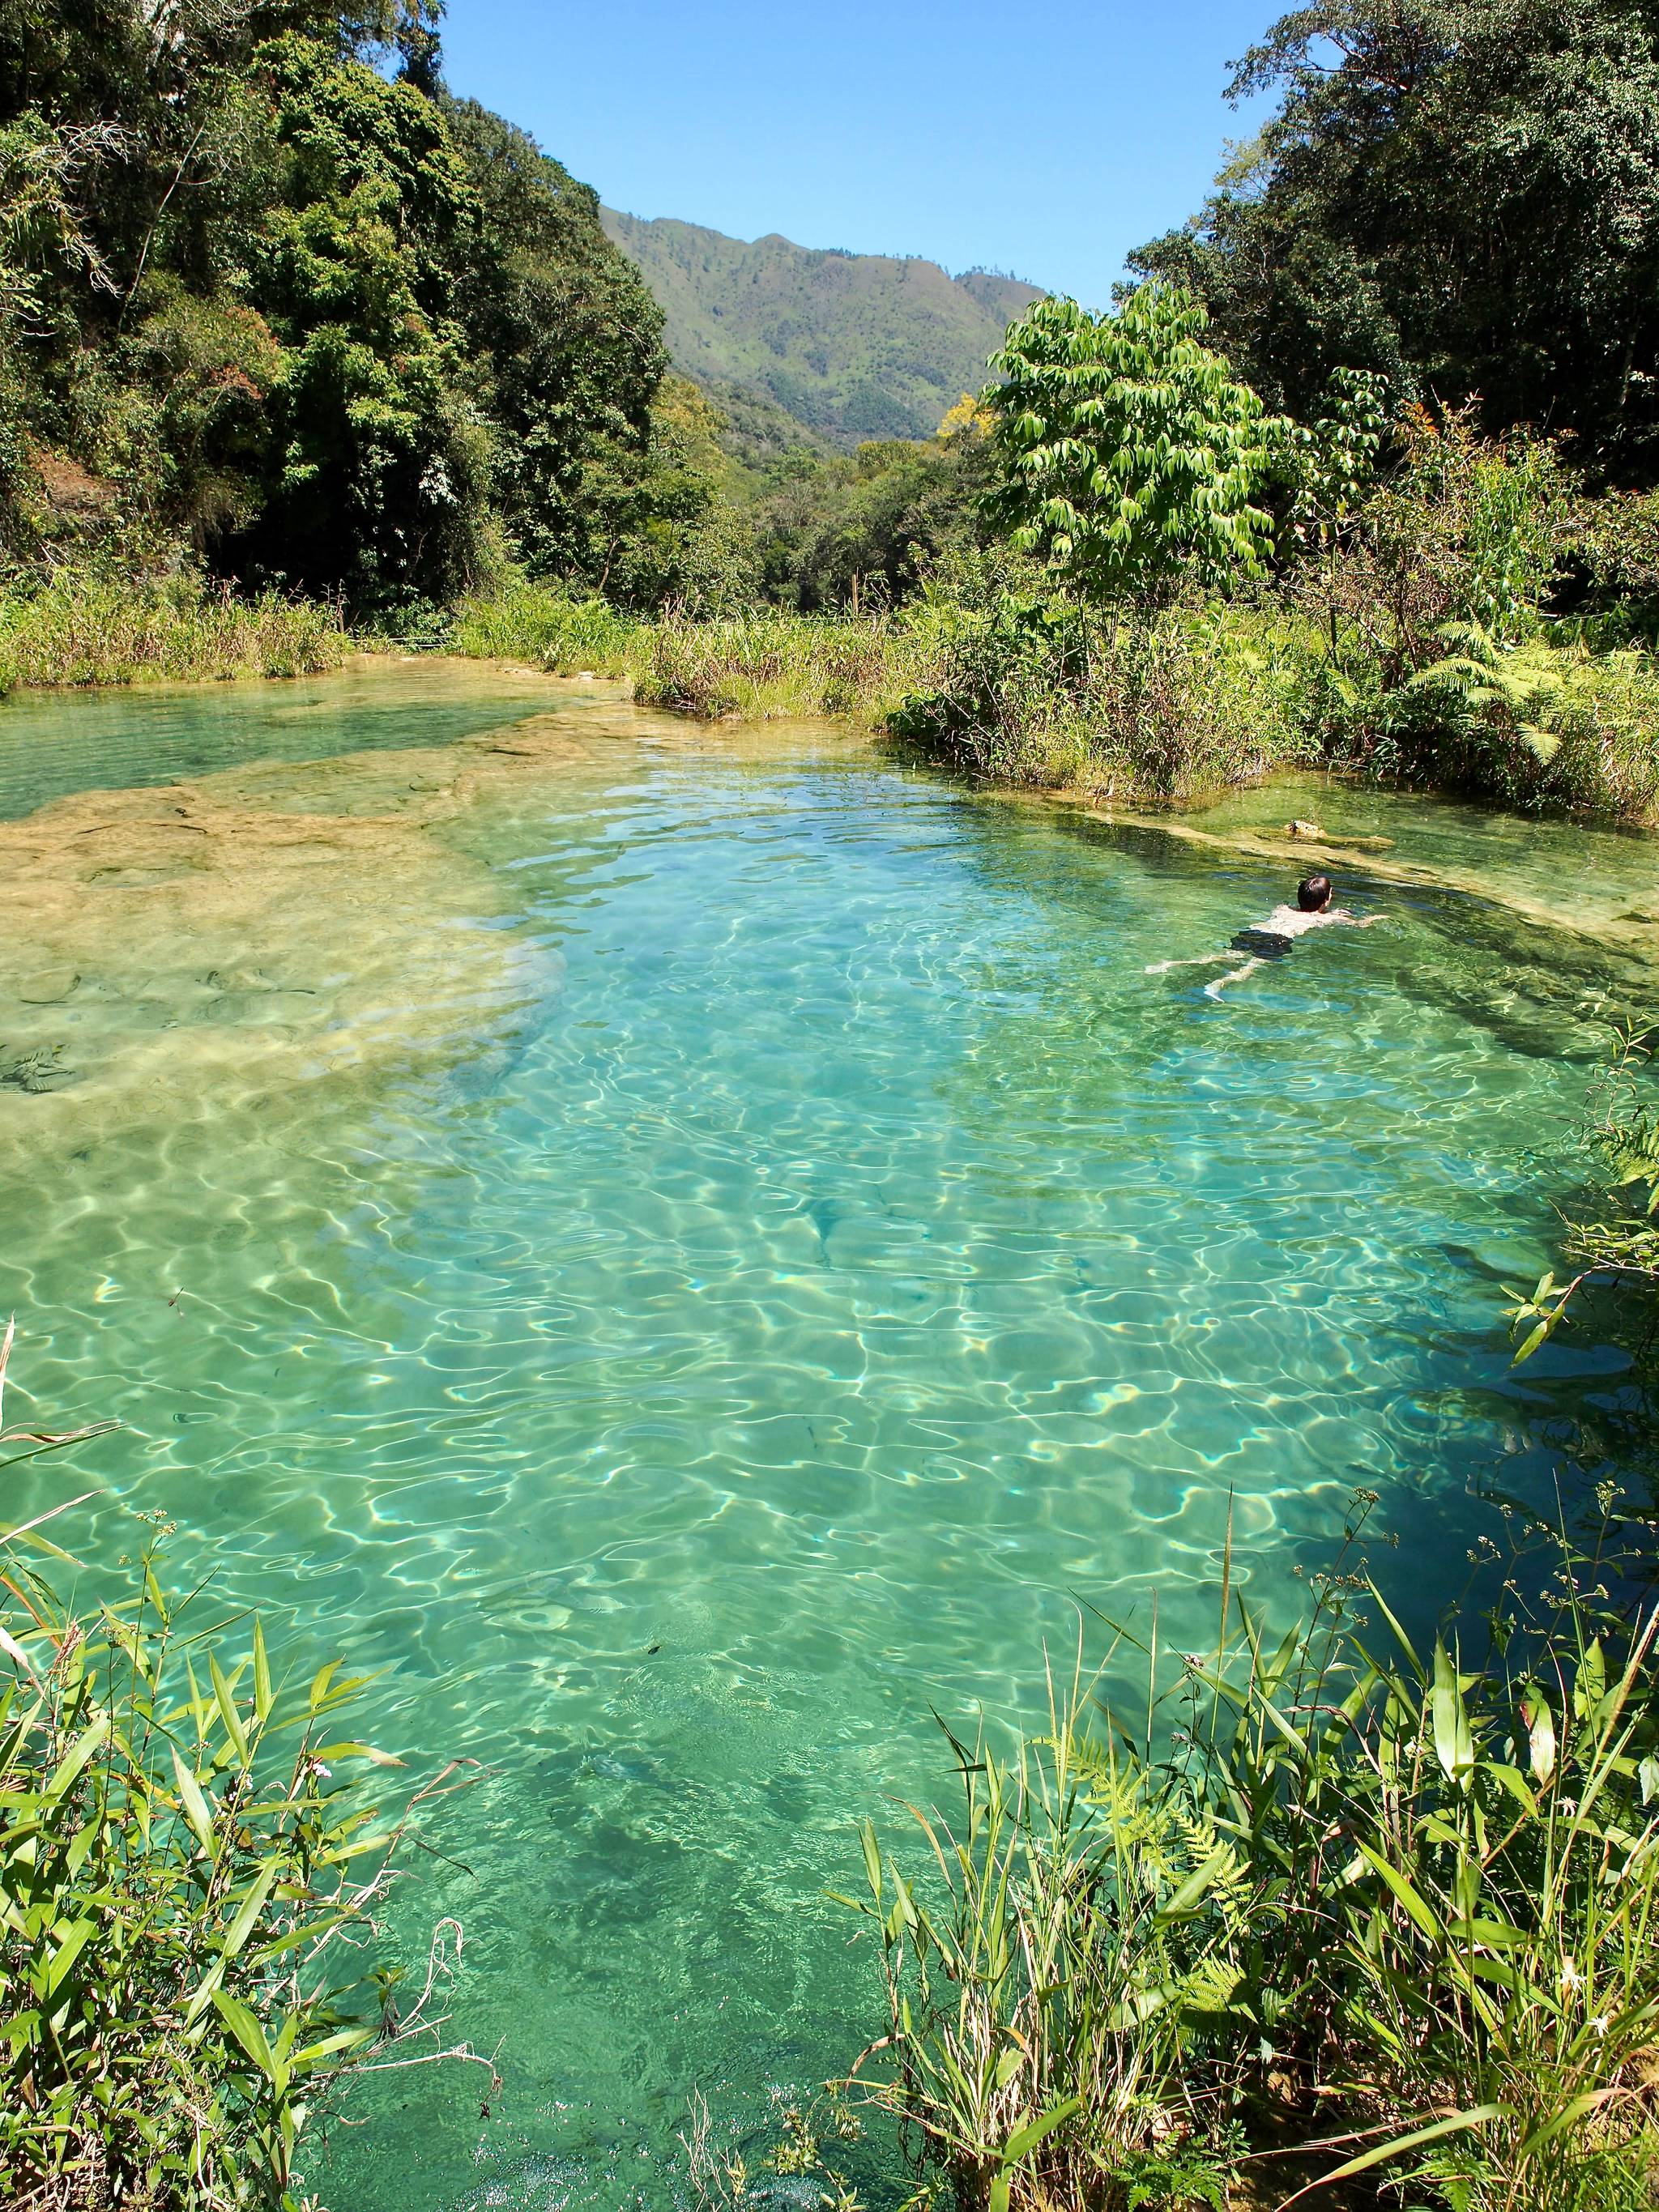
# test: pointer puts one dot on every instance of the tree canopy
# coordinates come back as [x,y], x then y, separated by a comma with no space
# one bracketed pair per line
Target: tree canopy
[1462,194]
[264,299]
[1132,457]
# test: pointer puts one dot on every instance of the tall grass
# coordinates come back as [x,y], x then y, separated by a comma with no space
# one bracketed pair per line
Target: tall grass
[567,636]
[759,666]
[80,626]
[1162,709]
[1401,1907]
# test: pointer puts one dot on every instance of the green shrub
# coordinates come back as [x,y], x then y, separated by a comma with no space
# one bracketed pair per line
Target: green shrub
[1040,1993]
[1037,690]
[1466,530]
[1608,758]
[1405,1905]
[187,1903]
[1534,724]
[1613,545]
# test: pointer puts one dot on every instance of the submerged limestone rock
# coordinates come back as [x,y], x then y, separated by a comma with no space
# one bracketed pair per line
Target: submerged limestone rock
[172,953]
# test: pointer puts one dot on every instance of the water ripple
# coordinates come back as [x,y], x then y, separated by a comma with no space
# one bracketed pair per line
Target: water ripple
[689,1249]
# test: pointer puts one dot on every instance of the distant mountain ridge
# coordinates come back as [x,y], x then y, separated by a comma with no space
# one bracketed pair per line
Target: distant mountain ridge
[851,345]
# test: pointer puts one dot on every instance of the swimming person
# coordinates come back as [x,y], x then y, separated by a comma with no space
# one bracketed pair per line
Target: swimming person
[1272,939]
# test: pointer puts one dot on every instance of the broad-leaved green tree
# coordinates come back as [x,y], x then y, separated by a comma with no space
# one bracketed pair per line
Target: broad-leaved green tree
[1132,456]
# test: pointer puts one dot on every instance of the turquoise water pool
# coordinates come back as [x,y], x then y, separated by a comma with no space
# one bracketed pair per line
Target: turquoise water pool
[687,1251]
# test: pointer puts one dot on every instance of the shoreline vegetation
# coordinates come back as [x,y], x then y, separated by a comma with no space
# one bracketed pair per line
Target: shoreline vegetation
[1416,628]
[1169,712]
[193,1882]
[1292,1914]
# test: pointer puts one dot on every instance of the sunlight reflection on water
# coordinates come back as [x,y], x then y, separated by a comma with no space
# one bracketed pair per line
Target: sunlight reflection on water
[695,1246]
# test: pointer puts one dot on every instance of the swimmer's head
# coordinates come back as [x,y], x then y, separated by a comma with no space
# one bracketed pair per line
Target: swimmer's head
[1313,893]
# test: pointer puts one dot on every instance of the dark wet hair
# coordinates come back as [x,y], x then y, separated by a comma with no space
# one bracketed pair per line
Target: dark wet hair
[1313,892]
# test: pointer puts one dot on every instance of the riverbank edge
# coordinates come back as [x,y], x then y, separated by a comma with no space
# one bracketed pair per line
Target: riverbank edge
[1632,938]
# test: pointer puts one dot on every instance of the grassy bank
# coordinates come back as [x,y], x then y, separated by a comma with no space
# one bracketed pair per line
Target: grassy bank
[79,627]
[1195,700]
[753,667]
[551,629]
[1019,684]
[1001,679]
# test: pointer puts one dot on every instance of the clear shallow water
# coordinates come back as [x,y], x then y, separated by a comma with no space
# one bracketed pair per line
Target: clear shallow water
[52,743]
[693,1249]
[1603,880]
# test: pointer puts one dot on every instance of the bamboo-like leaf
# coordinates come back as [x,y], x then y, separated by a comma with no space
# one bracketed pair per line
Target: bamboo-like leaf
[228,1713]
[1478,2116]
[1453,1745]
[375,1757]
[1194,1888]
[195,1804]
[1591,1686]
[69,1950]
[1540,1731]
[262,1696]
[1403,1889]
[252,1906]
[91,1740]
[1580,2108]
[871,1850]
[244,2024]
[1027,2138]
[346,2039]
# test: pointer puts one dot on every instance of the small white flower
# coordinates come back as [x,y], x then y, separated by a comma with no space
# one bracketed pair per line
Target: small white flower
[1571,1976]
[1602,2022]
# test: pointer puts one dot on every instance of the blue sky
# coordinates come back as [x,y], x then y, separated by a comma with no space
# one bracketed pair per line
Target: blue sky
[1047,141]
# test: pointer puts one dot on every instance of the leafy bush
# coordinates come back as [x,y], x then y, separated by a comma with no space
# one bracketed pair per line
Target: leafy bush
[1432,656]
[1035,689]
[1614,543]
[1038,2014]
[1466,530]
[187,1901]
[1324,1887]
[1533,724]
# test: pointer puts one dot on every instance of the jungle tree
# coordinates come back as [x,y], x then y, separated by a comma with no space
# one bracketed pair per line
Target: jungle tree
[1131,455]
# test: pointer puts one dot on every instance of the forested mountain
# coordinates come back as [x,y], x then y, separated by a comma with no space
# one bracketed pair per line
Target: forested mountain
[854,345]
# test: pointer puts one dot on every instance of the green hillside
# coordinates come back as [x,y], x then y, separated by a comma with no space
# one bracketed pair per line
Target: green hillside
[854,345]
